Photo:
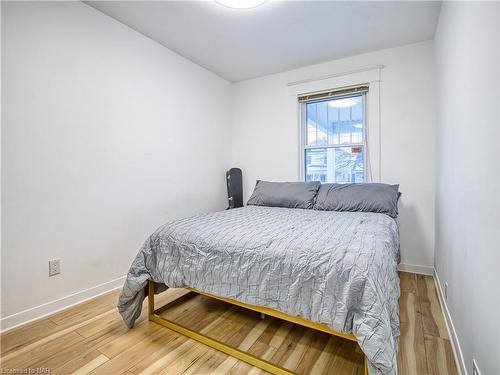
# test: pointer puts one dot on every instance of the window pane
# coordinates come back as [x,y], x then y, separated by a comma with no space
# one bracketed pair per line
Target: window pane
[311,123]
[339,164]
[316,124]
[335,121]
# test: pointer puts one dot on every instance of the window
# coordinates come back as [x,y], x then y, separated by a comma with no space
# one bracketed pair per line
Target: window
[334,139]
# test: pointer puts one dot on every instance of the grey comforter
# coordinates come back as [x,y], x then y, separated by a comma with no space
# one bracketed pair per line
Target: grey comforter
[337,268]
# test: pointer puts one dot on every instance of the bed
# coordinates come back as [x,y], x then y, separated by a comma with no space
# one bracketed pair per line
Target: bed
[333,269]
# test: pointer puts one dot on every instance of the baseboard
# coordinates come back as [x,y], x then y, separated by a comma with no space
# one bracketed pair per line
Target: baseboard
[15,320]
[455,343]
[414,268]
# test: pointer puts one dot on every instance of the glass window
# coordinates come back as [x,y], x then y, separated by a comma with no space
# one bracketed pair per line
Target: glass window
[334,149]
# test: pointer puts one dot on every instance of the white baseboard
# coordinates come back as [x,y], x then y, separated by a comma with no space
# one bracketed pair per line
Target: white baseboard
[49,308]
[455,343]
[414,268]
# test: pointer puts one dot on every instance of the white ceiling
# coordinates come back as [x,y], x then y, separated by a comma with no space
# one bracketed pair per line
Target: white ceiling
[277,36]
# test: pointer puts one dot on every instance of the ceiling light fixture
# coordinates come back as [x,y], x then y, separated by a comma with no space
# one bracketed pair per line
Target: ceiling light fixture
[241,4]
[342,103]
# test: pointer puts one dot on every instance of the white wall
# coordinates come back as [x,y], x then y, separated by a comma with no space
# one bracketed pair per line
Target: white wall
[265,134]
[106,136]
[467,210]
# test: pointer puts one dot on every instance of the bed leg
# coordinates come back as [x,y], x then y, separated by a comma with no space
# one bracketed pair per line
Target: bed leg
[262,316]
[151,299]
[365,367]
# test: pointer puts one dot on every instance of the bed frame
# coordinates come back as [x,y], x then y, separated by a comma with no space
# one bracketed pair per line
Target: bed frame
[154,316]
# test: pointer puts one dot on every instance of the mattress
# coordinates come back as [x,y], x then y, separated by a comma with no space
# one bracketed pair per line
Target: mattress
[336,268]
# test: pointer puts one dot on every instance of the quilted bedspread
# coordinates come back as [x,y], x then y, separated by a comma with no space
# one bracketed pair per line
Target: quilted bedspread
[336,268]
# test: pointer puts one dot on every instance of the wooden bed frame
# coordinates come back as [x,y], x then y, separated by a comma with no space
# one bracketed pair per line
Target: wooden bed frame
[154,316]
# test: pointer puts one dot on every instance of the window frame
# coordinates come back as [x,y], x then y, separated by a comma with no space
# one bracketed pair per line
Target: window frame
[303,132]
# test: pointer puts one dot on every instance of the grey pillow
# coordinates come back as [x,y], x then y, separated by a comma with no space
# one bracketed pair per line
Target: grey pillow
[284,194]
[369,197]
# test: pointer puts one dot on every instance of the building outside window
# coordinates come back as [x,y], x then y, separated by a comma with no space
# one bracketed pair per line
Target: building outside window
[334,139]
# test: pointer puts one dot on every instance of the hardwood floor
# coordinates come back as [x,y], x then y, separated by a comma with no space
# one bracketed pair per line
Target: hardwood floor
[91,339]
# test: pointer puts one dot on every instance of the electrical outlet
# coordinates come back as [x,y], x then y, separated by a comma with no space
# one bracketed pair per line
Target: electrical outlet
[475,368]
[54,267]
[445,290]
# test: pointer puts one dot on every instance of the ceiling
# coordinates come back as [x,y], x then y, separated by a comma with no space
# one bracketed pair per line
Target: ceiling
[239,44]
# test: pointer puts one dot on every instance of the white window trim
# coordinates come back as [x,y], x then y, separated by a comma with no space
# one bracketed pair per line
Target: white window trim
[370,77]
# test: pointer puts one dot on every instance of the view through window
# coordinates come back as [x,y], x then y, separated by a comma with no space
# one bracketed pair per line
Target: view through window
[334,149]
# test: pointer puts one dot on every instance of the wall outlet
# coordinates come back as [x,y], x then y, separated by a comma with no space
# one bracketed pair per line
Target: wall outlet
[445,291]
[475,368]
[54,267]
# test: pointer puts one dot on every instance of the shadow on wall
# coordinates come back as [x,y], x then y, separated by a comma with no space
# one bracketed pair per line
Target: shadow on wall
[411,232]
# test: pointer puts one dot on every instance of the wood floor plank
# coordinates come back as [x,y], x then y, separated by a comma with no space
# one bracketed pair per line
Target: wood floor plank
[175,353]
[238,325]
[225,366]
[257,343]
[198,359]
[240,367]
[129,338]
[107,335]
[408,302]
[149,363]
[246,342]
[62,356]
[82,316]
[411,355]
[226,331]
[48,339]
[134,354]
[41,353]
[72,357]
[345,360]
[430,325]
[206,363]
[321,364]
[289,344]
[271,331]
[198,312]
[281,334]
[91,365]
[293,360]
[85,310]
[77,363]
[314,348]
[267,355]
[230,364]
[431,309]
[408,282]
[65,358]
[102,324]
[16,338]
[179,352]
[440,359]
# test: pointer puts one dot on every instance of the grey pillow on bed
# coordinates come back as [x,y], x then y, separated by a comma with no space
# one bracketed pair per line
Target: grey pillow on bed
[370,197]
[284,194]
